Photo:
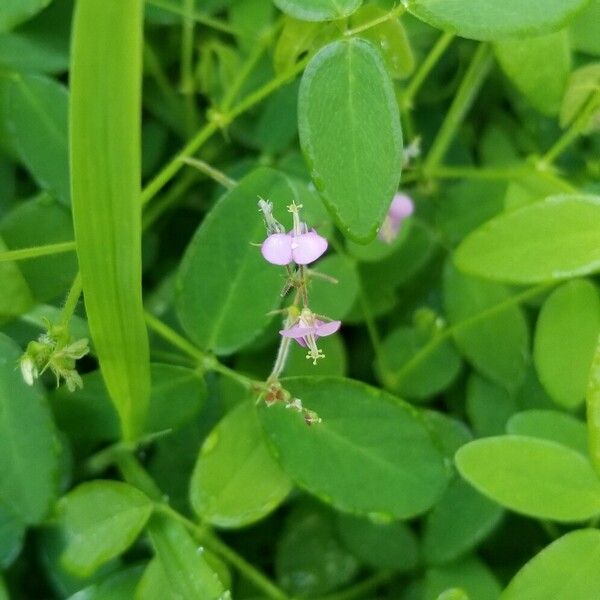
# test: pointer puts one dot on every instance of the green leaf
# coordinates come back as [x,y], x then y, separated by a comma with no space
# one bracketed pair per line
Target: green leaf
[334,299]
[35,222]
[346,109]
[364,431]
[526,64]
[379,545]
[493,20]
[471,575]
[565,341]
[583,83]
[417,378]
[176,397]
[504,361]
[458,523]
[221,271]
[101,520]
[310,560]
[16,297]
[12,533]
[236,481]
[389,36]
[550,425]
[535,477]
[295,39]
[105,129]
[585,29]
[564,570]
[14,12]
[335,363]
[554,239]
[116,586]
[36,117]
[186,569]
[29,447]
[488,406]
[318,10]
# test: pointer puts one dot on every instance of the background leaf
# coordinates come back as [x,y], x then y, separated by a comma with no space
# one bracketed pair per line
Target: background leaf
[318,10]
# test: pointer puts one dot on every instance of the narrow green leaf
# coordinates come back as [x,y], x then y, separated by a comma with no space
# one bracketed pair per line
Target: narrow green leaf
[350,134]
[221,271]
[458,523]
[36,118]
[554,239]
[565,341]
[29,447]
[504,361]
[363,431]
[105,163]
[14,12]
[318,10]
[493,20]
[101,520]
[184,565]
[532,476]
[235,480]
[526,64]
[564,570]
[550,425]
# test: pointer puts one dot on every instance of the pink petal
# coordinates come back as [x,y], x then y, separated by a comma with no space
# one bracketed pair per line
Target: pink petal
[322,329]
[297,331]
[277,249]
[401,207]
[307,247]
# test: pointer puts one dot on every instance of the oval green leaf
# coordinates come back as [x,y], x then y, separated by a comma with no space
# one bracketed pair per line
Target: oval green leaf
[492,20]
[364,431]
[318,10]
[101,519]
[221,272]
[29,447]
[346,108]
[557,238]
[565,341]
[531,476]
[236,481]
[567,569]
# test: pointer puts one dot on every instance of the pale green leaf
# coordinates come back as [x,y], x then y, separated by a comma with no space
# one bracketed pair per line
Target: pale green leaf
[318,10]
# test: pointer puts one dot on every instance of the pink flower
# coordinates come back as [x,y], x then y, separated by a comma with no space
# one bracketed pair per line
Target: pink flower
[307,330]
[401,207]
[284,248]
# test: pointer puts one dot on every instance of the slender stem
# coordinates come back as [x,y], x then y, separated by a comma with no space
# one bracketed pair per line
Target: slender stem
[394,12]
[36,251]
[593,410]
[72,300]
[220,120]
[575,130]
[195,15]
[282,355]
[425,69]
[186,65]
[211,172]
[393,379]
[171,336]
[362,588]
[480,66]
[212,364]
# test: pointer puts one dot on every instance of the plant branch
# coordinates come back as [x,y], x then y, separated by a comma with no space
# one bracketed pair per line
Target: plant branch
[37,251]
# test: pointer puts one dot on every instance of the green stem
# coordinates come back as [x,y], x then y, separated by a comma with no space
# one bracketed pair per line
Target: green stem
[425,69]
[176,340]
[394,12]
[186,64]
[211,172]
[480,66]
[36,251]
[221,120]
[71,301]
[362,588]
[195,15]
[593,410]
[393,379]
